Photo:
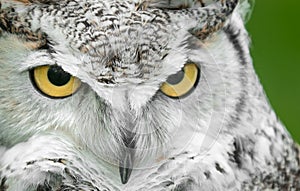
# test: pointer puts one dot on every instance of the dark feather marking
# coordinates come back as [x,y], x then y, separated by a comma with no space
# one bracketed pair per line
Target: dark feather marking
[48,2]
[236,155]
[186,185]
[207,174]
[45,187]
[233,34]
[219,168]
[30,162]
[169,183]
[3,186]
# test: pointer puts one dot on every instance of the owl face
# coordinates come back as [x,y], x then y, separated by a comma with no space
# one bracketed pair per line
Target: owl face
[123,79]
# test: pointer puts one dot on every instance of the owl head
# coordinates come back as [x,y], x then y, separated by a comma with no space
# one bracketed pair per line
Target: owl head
[128,81]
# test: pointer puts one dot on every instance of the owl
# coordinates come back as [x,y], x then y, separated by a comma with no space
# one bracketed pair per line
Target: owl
[136,95]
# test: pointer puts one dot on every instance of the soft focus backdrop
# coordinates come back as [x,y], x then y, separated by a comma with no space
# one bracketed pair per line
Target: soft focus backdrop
[275,31]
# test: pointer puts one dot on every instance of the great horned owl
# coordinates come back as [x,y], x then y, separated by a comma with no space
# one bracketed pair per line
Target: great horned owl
[135,95]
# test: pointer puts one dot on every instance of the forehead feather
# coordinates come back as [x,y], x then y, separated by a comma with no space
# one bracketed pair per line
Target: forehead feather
[120,39]
[119,42]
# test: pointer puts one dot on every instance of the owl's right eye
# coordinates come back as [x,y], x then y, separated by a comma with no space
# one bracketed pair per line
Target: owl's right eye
[181,84]
[54,82]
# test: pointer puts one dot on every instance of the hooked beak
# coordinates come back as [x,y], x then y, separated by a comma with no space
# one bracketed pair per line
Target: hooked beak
[127,160]
[126,166]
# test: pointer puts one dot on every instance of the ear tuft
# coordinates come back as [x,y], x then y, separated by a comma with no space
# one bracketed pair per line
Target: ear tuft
[245,9]
[13,22]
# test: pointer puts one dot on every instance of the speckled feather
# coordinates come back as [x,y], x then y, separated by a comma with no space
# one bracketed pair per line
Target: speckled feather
[102,28]
[223,136]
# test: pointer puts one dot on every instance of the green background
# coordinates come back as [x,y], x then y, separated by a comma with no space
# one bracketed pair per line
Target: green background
[275,32]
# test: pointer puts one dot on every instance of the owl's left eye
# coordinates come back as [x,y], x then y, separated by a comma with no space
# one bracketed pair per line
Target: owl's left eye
[54,82]
[181,83]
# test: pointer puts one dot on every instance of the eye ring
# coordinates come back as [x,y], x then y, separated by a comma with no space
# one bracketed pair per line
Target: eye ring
[52,81]
[182,83]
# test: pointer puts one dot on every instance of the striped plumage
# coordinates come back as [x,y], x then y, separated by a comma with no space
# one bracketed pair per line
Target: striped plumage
[223,135]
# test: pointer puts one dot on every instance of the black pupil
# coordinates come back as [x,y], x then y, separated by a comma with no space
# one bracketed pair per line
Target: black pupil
[176,78]
[57,76]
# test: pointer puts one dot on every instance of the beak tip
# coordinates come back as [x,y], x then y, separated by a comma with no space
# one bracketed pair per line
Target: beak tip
[127,160]
[125,174]
[124,181]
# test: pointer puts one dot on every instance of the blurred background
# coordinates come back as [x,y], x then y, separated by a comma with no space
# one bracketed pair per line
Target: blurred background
[275,31]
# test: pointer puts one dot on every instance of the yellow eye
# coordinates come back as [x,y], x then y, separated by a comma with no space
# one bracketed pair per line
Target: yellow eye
[182,83]
[54,82]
